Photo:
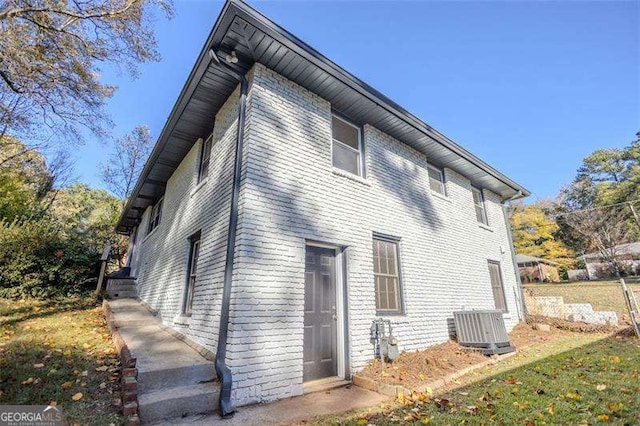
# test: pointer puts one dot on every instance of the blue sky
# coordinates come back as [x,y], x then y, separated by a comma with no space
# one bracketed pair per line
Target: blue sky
[530,87]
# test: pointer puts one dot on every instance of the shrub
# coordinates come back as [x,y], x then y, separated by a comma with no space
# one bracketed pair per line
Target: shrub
[38,259]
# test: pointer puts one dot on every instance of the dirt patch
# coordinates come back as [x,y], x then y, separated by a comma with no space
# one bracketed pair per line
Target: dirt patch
[576,327]
[412,369]
[524,335]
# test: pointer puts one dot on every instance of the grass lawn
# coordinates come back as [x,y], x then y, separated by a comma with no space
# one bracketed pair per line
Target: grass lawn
[575,379]
[602,295]
[59,351]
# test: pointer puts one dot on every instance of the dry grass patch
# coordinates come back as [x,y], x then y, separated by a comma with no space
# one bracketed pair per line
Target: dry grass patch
[602,295]
[573,378]
[59,351]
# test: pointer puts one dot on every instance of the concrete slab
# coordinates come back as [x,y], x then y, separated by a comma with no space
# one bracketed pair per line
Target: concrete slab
[154,347]
[293,410]
[323,385]
[173,379]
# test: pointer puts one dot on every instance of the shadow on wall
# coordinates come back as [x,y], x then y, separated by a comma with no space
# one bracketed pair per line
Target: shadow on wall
[159,292]
[284,206]
[405,180]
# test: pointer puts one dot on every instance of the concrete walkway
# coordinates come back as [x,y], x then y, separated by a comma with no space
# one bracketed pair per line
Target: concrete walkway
[173,380]
[293,411]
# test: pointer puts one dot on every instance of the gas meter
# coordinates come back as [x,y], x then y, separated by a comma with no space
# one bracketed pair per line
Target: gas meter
[385,345]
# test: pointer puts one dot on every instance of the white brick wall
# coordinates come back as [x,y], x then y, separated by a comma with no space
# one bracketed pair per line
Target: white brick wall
[290,193]
[160,259]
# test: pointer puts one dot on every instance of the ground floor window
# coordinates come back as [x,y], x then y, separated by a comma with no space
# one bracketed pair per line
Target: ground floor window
[386,272]
[193,271]
[497,286]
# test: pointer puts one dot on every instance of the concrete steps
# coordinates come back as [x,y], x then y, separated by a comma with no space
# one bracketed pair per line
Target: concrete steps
[323,385]
[122,288]
[178,401]
[163,377]
[173,379]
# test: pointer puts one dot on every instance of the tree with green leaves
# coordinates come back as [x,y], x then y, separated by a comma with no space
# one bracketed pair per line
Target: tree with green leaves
[25,180]
[51,236]
[596,211]
[89,216]
[607,176]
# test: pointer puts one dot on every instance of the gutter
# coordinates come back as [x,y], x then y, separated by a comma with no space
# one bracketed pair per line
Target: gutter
[194,78]
[222,370]
[316,58]
[513,260]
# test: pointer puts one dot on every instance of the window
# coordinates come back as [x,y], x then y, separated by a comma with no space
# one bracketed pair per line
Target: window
[193,272]
[156,214]
[205,153]
[346,146]
[436,180]
[478,200]
[387,276]
[497,286]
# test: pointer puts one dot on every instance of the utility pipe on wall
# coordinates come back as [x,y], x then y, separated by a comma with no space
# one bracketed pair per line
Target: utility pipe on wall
[222,370]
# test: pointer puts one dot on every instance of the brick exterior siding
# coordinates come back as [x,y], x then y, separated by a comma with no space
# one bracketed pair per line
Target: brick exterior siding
[290,194]
[160,259]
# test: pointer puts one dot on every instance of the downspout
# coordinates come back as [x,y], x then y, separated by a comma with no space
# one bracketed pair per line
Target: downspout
[512,249]
[222,370]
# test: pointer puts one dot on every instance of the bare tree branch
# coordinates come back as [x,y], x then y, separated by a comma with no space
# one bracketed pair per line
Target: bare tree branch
[12,86]
[50,53]
[126,161]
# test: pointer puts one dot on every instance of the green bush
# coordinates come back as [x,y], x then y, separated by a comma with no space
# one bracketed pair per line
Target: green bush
[38,259]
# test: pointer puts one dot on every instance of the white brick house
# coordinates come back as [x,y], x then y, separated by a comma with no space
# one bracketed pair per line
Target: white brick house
[346,208]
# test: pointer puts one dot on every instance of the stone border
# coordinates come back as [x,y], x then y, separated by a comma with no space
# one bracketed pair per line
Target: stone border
[395,390]
[129,379]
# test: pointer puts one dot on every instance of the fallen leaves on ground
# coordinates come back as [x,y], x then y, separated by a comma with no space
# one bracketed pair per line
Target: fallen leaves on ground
[597,382]
[59,355]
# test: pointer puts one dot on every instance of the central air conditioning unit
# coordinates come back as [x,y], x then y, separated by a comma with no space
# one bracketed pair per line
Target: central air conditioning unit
[484,330]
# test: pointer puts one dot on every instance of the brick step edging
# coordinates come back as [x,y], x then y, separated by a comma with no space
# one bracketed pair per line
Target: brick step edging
[129,376]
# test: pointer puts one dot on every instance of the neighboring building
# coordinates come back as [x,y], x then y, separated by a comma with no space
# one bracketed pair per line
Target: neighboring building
[534,269]
[341,207]
[627,256]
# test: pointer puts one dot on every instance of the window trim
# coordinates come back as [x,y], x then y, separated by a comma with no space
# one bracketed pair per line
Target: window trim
[159,205]
[202,162]
[482,205]
[361,148]
[504,291]
[442,182]
[189,289]
[401,304]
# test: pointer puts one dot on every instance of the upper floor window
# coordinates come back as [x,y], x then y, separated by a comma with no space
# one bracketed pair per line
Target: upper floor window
[436,180]
[346,146]
[156,214]
[386,272]
[205,154]
[478,200]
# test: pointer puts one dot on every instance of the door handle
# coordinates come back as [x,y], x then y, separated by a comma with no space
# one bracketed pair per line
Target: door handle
[334,316]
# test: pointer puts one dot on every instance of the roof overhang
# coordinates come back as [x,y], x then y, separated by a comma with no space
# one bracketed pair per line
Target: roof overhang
[255,38]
